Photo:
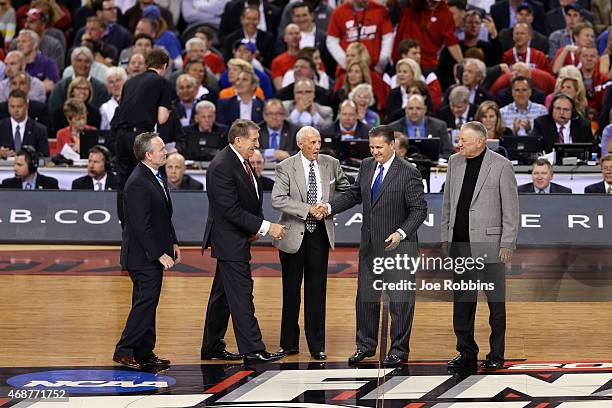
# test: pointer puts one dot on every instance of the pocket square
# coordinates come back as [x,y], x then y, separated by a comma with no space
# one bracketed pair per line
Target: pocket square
[332,181]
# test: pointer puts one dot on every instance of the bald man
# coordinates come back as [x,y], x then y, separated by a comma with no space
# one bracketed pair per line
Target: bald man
[175,172]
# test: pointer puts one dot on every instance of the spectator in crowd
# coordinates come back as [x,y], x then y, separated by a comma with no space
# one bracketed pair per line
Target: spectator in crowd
[520,114]
[83,59]
[604,186]
[37,64]
[285,61]
[15,62]
[321,78]
[99,173]
[245,50]
[363,96]
[522,34]
[143,43]
[36,110]
[114,34]
[234,67]
[245,105]
[114,85]
[402,145]
[305,68]
[27,176]
[524,14]
[212,59]
[132,16]
[595,83]
[520,69]
[606,138]
[605,61]
[163,36]
[570,82]
[473,75]
[417,125]
[357,73]
[210,12]
[310,34]
[75,112]
[563,36]
[459,109]
[258,162]
[321,11]
[205,125]
[184,106]
[8,22]
[304,110]
[374,31]
[136,65]
[505,14]
[407,71]
[268,19]
[602,14]
[489,115]
[583,35]
[276,134]
[81,89]
[562,124]
[104,52]
[263,41]
[431,24]
[555,18]
[175,174]
[51,42]
[347,126]
[541,176]
[207,87]
[20,130]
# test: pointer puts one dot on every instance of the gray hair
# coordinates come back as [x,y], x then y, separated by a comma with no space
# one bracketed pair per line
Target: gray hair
[117,71]
[477,127]
[187,77]
[192,41]
[459,94]
[142,144]
[480,66]
[81,50]
[305,131]
[360,88]
[33,34]
[205,105]
[18,53]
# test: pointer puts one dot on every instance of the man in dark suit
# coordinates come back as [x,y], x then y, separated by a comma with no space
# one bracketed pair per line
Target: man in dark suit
[36,110]
[604,186]
[459,109]
[258,163]
[416,125]
[99,175]
[184,106]
[19,130]
[235,220]
[206,126]
[500,11]
[562,124]
[177,179]
[264,40]
[231,19]
[542,174]
[391,193]
[277,135]
[228,110]
[26,173]
[347,126]
[149,246]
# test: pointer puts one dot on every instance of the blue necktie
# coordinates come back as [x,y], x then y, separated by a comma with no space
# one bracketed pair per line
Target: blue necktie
[274,140]
[377,182]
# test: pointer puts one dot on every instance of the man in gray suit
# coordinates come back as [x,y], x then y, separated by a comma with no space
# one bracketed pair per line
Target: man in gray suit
[480,218]
[303,180]
[391,193]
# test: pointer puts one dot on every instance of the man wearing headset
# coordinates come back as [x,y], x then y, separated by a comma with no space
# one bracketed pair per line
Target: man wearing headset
[26,173]
[99,173]
[562,124]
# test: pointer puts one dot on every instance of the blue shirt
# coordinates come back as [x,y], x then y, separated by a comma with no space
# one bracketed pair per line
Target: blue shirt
[31,182]
[412,129]
[171,43]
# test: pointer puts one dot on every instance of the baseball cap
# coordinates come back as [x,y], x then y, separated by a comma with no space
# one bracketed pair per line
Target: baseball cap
[525,6]
[151,12]
[35,13]
[573,6]
[249,44]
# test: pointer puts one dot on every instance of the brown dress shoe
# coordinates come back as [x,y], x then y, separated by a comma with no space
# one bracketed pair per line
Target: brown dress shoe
[128,361]
[153,360]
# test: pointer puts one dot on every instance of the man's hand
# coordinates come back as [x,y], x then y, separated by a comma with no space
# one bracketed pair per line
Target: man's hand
[571,48]
[490,25]
[505,254]
[177,254]
[277,231]
[516,125]
[393,240]
[526,124]
[504,68]
[6,152]
[166,261]
[319,211]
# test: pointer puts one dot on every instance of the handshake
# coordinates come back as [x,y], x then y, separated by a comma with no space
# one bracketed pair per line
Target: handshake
[319,211]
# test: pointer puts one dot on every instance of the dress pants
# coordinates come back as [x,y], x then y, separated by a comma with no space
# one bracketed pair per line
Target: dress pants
[309,263]
[138,338]
[232,294]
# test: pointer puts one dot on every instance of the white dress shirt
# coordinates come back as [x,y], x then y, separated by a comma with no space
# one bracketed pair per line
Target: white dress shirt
[306,165]
[22,126]
[307,38]
[102,182]
[246,108]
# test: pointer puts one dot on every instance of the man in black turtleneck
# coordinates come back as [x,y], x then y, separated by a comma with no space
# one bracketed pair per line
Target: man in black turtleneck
[480,218]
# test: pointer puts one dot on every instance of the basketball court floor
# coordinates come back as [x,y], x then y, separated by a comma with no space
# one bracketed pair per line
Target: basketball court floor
[62,310]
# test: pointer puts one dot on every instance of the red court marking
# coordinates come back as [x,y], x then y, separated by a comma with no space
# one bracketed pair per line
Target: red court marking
[3,400]
[344,395]
[228,382]
[415,405]
[542,405]
[512,395]
[544,375]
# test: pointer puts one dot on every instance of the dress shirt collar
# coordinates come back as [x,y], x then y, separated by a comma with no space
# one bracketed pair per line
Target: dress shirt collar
[102,180]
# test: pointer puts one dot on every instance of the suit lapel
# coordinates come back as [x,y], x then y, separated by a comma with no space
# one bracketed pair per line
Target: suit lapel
[482,174]
[369,177]
[387,178]
[299,176]
[458,180]
[151,177]
[325,179]
[243,172]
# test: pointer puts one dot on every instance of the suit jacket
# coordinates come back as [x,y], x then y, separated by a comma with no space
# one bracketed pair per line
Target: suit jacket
[217,137]
[554,188]
[494,213]
[435,128]
[545,127]
[400,202]
[445,114]
[538,41]
[596,188]
[267,184]
[230,19]
[42,183]
[148,232]
[228,110]
[501,15]
[361,132]
[286,141]
[34,135]
[481,95]
[178,108]
[86,183]
[289,196]
[555,19]
[264,44]
[235,211]
[36,110]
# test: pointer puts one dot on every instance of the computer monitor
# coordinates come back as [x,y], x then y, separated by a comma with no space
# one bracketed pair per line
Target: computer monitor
[429,147]
[90,138]
[581,151]
[523,149]
[202,146]
[353,149]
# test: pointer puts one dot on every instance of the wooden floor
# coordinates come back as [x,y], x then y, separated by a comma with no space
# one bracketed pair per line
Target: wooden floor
[76,320]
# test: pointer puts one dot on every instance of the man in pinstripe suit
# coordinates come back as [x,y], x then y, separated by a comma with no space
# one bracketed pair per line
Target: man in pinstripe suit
[391,193]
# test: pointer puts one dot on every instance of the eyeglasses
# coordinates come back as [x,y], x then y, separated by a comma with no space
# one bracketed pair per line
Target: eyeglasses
[562,110]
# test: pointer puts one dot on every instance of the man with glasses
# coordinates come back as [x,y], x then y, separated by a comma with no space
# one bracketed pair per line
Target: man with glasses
[277,135]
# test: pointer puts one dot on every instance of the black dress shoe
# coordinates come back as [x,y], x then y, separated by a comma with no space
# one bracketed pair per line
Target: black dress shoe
[489,364]
[462,361]
[288,352]
[261,357]
[153,360]
[221,355]
[393,360]
[128,361]
[359,356]
[319,355]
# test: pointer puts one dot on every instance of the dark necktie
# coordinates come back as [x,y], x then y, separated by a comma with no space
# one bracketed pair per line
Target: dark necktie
[561,138]
[274,140]
[17,139]
[609,190]
[248,168]
[161,181]
[311,198]
[377,183]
